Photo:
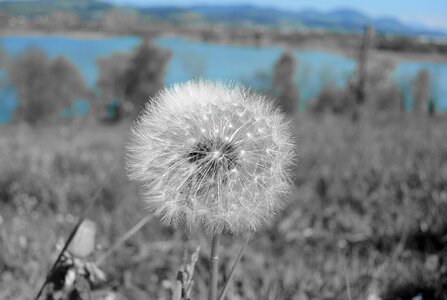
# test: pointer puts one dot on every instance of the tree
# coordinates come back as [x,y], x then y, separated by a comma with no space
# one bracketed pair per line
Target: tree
[44,86]
[145,75]
[3,62]
[111,86]
[131,78]
[111,76]
[421,91]
[357,87]
[2,58]
[30,75]
[362,64]
[68,82]
[284,87]
[381,92]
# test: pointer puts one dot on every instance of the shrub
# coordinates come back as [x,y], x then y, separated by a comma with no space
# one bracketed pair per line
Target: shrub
[284,87]
[334,100]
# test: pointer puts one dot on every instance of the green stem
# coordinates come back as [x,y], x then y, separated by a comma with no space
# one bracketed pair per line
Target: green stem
[214,267]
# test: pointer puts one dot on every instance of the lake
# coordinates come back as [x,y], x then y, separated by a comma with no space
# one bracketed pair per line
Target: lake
[246,64]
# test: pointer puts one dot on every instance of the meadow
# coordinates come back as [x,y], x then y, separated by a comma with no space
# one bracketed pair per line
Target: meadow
[365,220]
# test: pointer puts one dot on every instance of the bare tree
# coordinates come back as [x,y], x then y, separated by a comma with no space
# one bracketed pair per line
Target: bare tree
[421,91]
[2,58]
[3,63]
[362,65]
[358,86]
[284,87]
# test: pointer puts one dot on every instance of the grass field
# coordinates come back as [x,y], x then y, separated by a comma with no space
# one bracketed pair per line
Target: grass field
[366,220]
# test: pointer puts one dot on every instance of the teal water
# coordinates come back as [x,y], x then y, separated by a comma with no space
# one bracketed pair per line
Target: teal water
[249,65]
[81,52]
[252,66]
[406,72]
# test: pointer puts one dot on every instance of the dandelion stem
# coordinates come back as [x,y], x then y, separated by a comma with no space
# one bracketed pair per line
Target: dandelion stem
[214,266]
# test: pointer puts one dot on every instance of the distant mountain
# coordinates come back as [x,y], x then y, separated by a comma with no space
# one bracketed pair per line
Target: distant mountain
[84,9]
[345,20]
[339,20]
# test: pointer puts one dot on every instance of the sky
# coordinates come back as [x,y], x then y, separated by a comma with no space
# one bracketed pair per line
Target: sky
[431,13]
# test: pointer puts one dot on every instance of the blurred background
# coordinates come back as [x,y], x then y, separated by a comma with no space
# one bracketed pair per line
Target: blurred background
[365,85]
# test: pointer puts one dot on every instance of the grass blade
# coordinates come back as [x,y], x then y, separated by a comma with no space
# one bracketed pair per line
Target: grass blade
[75,229]
[124,238]
[238,259]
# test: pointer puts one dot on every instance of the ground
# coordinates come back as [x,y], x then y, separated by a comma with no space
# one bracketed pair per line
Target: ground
[365,220]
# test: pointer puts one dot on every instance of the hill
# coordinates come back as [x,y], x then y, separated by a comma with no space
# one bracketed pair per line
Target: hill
[341,20]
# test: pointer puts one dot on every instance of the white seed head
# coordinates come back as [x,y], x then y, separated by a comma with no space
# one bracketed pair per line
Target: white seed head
[212,155]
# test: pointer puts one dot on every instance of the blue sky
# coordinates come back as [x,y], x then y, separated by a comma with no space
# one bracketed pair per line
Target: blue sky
[432,13]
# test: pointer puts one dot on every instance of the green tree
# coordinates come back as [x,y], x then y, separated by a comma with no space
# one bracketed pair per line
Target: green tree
[131,78]
[111,85]
[110,81]
[145,75]
[68,83]
[381,91]
[44,86]
[30,75]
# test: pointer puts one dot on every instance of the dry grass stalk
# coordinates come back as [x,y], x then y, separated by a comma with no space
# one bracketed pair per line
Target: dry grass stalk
[185,282]
[75,230]
[124,238]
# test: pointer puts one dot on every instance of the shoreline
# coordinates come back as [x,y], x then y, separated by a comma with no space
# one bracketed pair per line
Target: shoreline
[320,45]
[68,34]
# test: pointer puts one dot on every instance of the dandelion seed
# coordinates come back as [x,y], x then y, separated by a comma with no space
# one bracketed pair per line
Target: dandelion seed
[211,155]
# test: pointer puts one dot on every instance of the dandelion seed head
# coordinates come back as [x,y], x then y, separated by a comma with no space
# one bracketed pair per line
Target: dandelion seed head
[212,155]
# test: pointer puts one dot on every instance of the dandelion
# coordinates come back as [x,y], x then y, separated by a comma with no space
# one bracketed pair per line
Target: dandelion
[211,155]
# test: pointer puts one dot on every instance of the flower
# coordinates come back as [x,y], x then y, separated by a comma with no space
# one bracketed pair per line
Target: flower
[212,155]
